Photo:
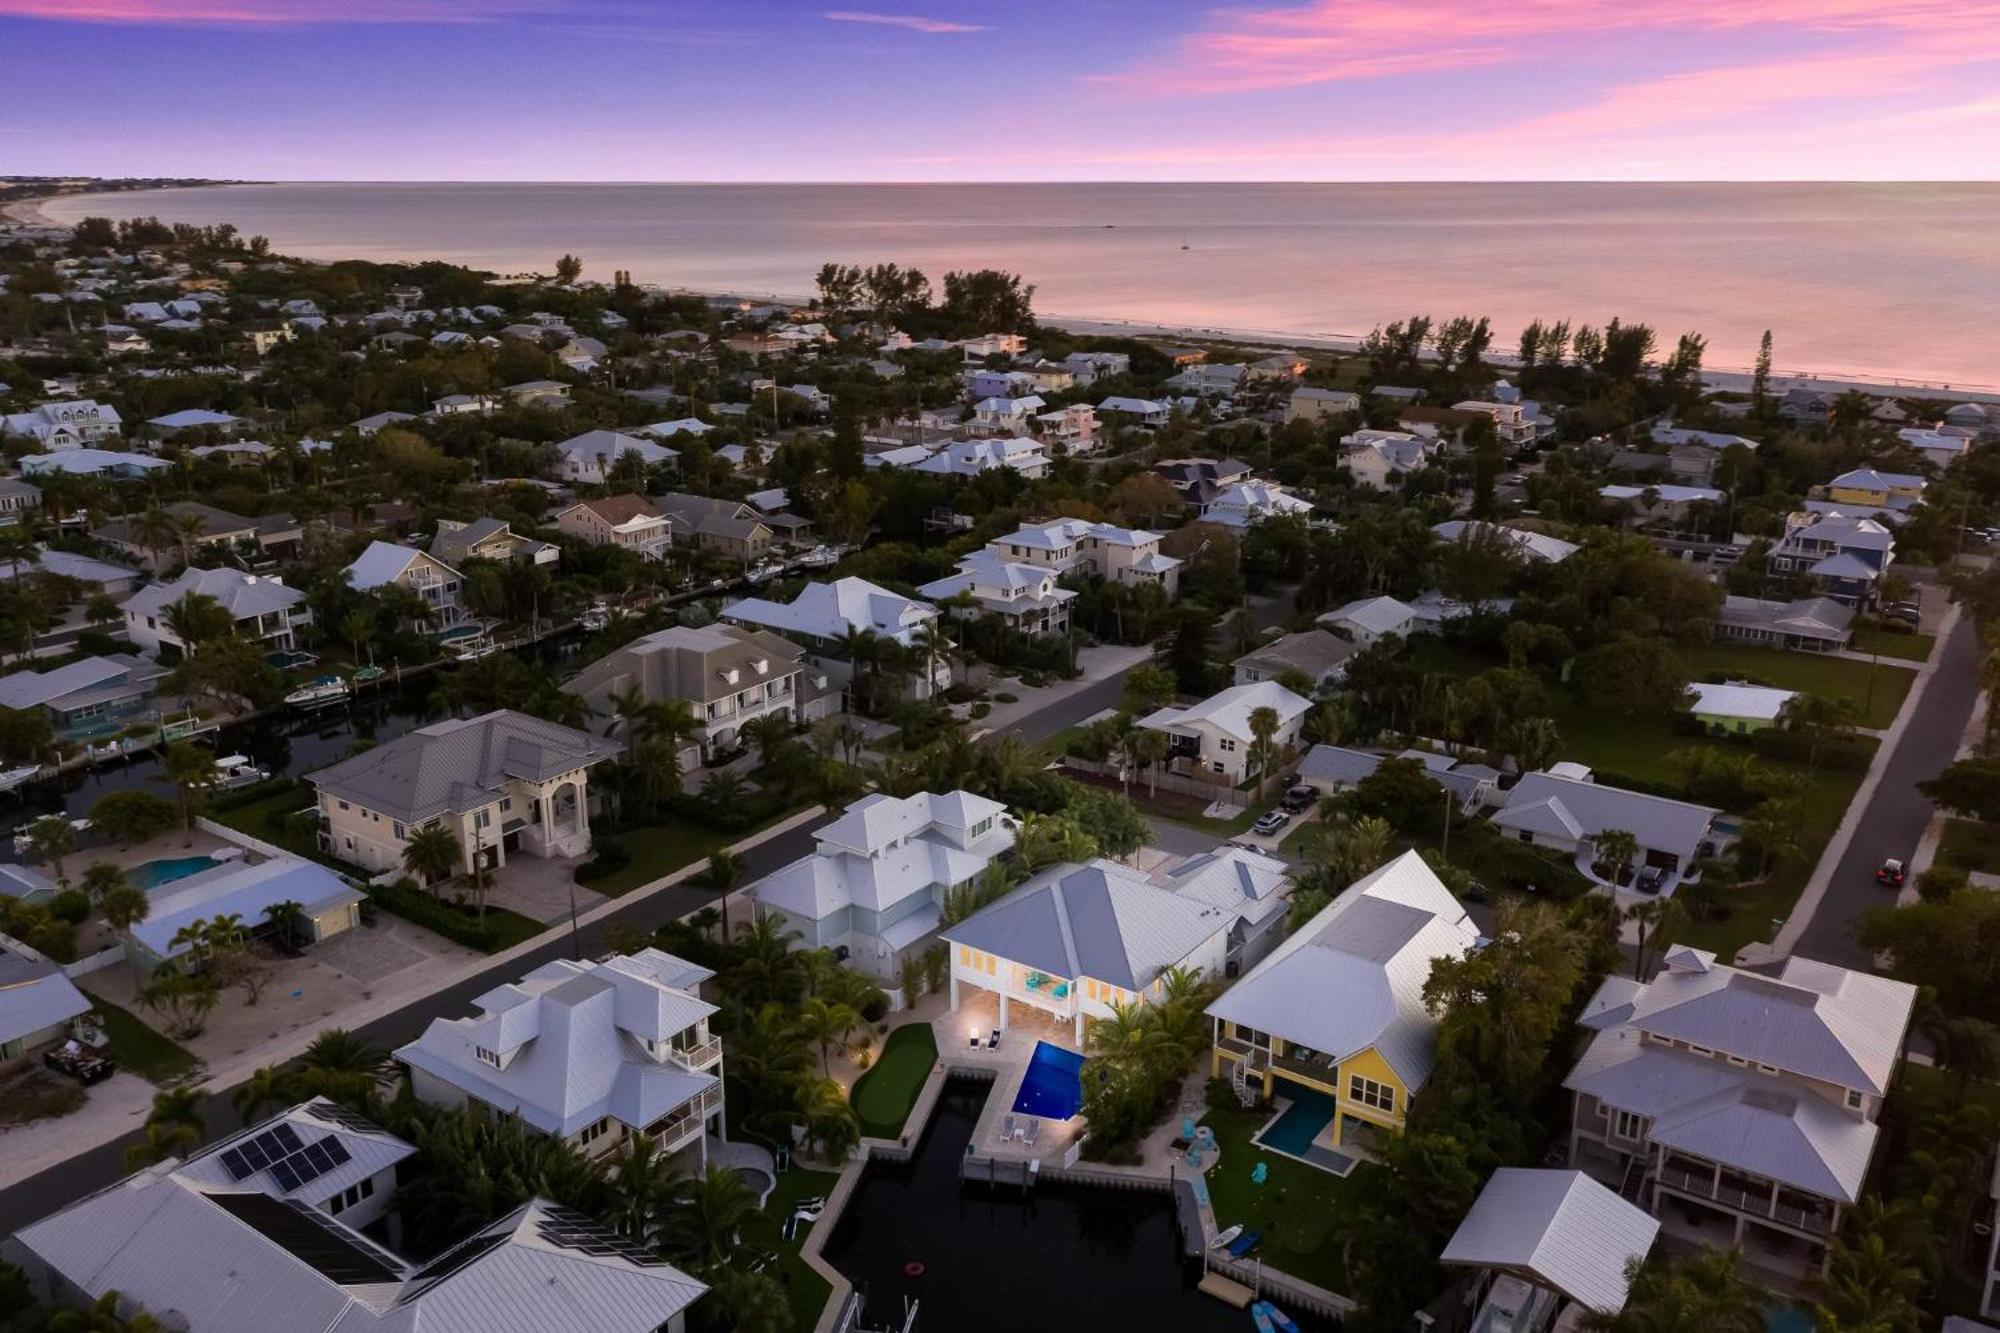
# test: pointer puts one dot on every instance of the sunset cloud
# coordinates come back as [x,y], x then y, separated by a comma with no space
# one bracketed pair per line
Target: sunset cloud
[913,22]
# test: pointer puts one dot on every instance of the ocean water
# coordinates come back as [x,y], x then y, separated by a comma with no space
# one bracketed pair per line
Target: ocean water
[1895,280]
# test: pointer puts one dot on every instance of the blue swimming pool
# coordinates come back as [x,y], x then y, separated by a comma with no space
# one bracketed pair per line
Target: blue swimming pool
[1301,1121]
[151,875]
[1052,1088]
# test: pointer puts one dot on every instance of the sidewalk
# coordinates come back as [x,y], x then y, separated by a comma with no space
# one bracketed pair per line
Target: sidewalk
[32,1150]
[1757,952]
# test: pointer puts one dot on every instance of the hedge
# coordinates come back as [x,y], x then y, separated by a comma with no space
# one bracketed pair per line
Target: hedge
[501,929]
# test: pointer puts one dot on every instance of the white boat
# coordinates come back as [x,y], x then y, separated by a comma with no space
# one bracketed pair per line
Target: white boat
[594,619]
[236,770]
[763,573]
[25,842]
[1223,1237]
[476,649]
[11,778]
[820,557]
[322,692]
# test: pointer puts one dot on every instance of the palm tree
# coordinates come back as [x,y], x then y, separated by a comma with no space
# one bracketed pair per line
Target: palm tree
[1871,1285]
[1656,918]
[643,1181]
[286,918]
[101,879]
[156,530]
[1969,1047]
[267,1086]
[930,643]
[172,1127]
[1263,748]
[1773,828]
[432,853]
[1699,1293]
[342,1066]
[827,1024]
[1150,748]
[1616,849]
[195,618]
[358,628]
[827,1124]
[101,1316]
[51,838]
[1534,743]
[191,770]
[707,1216]
[126,906]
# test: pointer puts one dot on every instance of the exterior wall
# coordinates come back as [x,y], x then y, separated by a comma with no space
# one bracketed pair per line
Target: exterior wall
[22,1049]
[335,921]
[375,841]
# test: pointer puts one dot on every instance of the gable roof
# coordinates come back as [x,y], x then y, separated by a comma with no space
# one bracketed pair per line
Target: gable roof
[35,994]
[241,595]
[383,563]
[1560,1230]
[1545,803]
[829,610]
[241,889]
[1353,977]
[1228,711]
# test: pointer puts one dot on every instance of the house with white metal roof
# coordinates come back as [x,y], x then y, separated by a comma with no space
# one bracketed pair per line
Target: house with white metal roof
[1738,708]
[1538,546]
[1101,550]
[264,610]
[1545,1241]
[1319,656]
[1810,624]
[503,782]
[438,584]
[262,1232]
[876,882]
[591,456]
[969,458]
[1077,939]
[590,1053]
[195,418]
[1380,459]
[1025,596]
[88,698]
[1841,554]
[1334,1021]
[326,903]
[113,464]
[824,615]
[1370,618]
[1214,737]
[1249,502]
[1746,1101]
[37,1000]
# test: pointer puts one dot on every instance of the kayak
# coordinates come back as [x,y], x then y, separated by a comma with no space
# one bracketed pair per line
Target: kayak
[1244,1243]
[1225,1236]
[1272,1318]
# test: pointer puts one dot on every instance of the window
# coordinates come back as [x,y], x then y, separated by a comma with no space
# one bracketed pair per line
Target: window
[1626,1125]
[1227,745]
[1370,1093]
[506,803]
[353,1194]
[593,1132]
[1854,1099]
[344,805]
[1699,1050]
[1218,767]
[483,819]
[488,1057]
[964,956]
[398,827]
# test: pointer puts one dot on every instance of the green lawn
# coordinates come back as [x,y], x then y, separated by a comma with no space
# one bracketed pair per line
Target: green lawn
[139,1049]
[805,1290]
[661,849]
[1970,845]
[1908,647]
[1814,673]
[885,1094]
[1307,1216]
[256,819]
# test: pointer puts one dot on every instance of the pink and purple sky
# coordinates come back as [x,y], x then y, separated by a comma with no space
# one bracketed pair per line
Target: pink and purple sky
[954,90]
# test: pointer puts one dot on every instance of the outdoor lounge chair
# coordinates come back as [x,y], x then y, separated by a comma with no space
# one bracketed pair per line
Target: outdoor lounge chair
[1007,1130]
[993,1042]
[1033,1132]
[973,1041]
[790,1229]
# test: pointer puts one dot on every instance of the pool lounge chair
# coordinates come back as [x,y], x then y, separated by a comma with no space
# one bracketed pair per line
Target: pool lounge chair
[993,1042]
[1031,1133]
[1007,1130]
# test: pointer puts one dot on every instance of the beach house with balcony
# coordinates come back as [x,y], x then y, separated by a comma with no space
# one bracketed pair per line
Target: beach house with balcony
[1213,739]
[437,584]
[54,427]
[592,1053]
[728,675]
[1101,550]
[1738,1108]
[1024,596]
[1332,1026]
[264,610]
[504,783]
[1839,555]
[873,889]
[1077,939]
[630,522]
[1380,459]
[592,456]
[459,540]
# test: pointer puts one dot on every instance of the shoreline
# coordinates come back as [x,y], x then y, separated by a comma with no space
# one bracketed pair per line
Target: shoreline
[29,211]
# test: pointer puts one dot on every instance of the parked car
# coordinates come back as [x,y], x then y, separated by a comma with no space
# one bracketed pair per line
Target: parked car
[1891,873]
[83,1063]
[1299,799]
[1650,879]
[1271,823]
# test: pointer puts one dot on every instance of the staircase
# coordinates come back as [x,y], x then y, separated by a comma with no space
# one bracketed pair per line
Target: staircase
[1240,1081]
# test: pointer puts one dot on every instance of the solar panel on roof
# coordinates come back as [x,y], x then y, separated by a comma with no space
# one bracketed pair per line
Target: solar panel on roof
[287,1137]
[335,1114]
[315,1240]
[288,1179]
[571,1230]
[452,1260]
[233,1163]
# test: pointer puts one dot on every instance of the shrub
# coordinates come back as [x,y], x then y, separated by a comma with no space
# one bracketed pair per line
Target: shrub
[608,856]
[981,709]
[1939,883]
[875,1007]
[1007,698]
[73,906]
[1843,754]
[460,925]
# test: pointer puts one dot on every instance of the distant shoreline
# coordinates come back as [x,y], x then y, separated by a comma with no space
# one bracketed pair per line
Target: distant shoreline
[1719,378]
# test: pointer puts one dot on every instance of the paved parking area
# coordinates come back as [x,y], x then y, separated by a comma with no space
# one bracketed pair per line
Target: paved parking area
[540,888]
[368,954]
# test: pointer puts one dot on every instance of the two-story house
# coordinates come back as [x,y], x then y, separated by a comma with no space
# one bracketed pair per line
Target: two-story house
[732,528]
[504,783]
[1024,596]
[200,527]
[825,617]
[1005,416]
[54,427]
[1214,739]
[969,458]
[1332,1026]
[1102,550]
[18,499]
[264,610]
[876,881]
[1319,656]
[1738,1108]
[592,1053]
[592,456]
[1312,404]
[1885,495]
[1380,459]
[730,677]
[1841,556]
[429,578]
[1071,430]
[1200,480]
[631,522]
[1250,502]
[458,540]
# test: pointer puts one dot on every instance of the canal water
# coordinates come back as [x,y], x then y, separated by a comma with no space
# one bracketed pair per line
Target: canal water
[996,1261]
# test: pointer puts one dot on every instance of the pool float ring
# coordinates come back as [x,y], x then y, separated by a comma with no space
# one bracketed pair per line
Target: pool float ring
[914,1268]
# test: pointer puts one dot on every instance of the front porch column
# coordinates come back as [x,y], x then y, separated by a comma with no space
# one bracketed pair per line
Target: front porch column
[1741,1223]
[954,990]
[1003,1011]
[545,802]
[1079,1029]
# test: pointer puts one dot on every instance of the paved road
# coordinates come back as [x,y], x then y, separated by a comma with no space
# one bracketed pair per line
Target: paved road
[92,1170]
[89,1171]
[1897,813]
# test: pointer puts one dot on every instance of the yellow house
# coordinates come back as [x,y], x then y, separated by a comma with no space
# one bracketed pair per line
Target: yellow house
[1868,488]
[1331,1029]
